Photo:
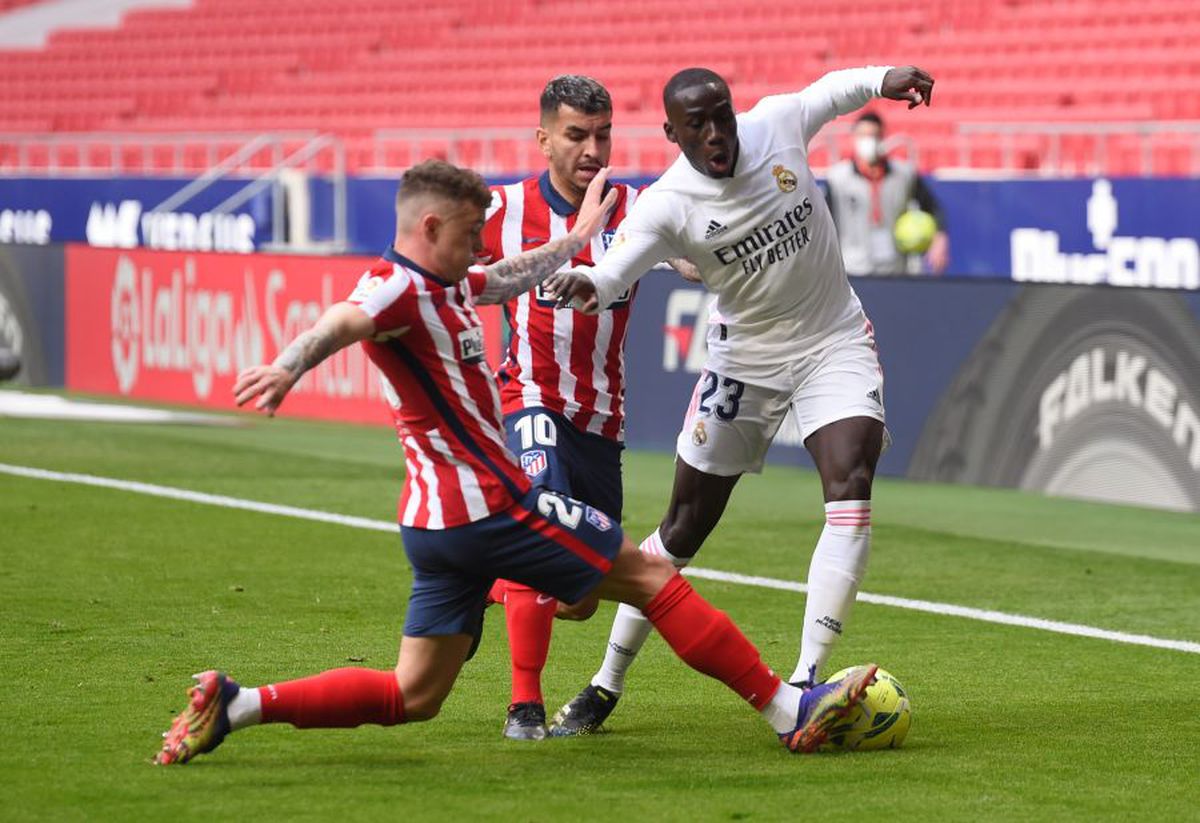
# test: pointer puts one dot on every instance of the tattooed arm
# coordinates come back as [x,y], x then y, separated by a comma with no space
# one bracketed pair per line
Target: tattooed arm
[514,276]
[342,324]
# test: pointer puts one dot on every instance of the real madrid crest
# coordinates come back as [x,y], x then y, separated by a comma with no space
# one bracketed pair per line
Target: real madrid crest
[784,178]
[699,434]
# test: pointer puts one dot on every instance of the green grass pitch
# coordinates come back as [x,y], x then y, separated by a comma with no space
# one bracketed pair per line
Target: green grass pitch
[112,599]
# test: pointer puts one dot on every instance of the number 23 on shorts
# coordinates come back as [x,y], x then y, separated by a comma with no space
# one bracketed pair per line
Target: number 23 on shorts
[723,393]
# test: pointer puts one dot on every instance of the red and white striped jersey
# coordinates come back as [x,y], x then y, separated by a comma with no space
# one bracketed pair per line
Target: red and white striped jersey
[429,348]
[565,361]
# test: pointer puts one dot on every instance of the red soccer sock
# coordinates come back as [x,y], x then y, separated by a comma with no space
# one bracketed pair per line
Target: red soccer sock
[496,595]
[530,618]
[709,642]
[336,699]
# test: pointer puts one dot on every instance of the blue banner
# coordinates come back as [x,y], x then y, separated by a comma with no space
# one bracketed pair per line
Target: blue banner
[116,213]
[1124,232]
[1121,232]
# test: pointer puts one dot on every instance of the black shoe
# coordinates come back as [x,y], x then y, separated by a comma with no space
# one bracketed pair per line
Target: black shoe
[584,714]
[526,721]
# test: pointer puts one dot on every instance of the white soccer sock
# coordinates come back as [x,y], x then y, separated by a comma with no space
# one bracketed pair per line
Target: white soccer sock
[245,709]
[630,628]
[837,567]
[784,709]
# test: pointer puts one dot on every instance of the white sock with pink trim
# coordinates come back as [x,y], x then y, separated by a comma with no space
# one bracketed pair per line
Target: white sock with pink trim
[838,565]
[630,628]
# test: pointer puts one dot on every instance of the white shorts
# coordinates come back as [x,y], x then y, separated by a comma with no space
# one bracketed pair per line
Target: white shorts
[730,424]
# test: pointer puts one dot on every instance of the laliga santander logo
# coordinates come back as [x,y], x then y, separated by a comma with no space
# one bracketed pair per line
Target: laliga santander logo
[178,327]
[177,321]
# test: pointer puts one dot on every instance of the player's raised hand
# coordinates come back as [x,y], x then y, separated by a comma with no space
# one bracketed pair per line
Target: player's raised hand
[596,206]
[908,83]
[573,289]
[270,384]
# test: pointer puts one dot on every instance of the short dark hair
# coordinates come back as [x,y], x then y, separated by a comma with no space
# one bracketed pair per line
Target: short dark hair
[445,179]
[578,91]
[870,117]
[687,78]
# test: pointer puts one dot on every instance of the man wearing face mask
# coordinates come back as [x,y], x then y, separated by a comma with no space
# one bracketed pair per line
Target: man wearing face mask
[868,193]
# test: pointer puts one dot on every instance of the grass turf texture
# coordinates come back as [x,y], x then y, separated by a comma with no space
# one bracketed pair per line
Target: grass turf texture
[111,600]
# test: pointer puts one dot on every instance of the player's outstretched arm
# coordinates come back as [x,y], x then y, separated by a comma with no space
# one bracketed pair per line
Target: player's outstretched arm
[341,325]
[514,276]
[841,92]
[642,242]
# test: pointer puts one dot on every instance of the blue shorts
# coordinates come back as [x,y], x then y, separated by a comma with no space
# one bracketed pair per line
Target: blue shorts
[558,456]
[547,541]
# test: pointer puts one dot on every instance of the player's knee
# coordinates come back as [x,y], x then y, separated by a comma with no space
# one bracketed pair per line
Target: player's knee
[421,707]
[853,484]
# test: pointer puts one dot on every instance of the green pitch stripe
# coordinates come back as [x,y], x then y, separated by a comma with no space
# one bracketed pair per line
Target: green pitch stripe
[950,610]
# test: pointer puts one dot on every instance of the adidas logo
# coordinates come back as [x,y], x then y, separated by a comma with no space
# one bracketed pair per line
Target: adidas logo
[874,395]
[714,228]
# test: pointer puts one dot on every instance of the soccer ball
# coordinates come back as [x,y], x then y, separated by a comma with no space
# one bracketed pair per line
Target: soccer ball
[880,721]
[914,231]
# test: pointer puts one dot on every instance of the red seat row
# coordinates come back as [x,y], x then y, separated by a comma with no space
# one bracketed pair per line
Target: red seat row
[357,66]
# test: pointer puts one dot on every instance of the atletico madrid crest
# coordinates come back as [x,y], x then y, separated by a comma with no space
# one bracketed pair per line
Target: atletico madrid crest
[533,462]
[599,520]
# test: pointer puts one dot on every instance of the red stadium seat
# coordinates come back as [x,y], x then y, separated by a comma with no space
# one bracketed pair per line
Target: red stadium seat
[358,66]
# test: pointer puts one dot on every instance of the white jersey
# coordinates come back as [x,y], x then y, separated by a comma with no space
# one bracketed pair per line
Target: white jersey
[763,240]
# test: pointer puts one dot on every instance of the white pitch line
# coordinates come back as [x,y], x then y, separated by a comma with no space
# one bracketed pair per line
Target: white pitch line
[948,609]
[984,615]
[202,497]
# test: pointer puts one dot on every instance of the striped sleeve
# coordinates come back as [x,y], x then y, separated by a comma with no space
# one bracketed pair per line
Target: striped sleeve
[493,228]
[389,301]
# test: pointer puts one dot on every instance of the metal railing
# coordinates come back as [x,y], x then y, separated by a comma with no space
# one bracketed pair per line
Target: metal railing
[639,150]
[297,160]
[1097,136]
[82,154]
[258,160]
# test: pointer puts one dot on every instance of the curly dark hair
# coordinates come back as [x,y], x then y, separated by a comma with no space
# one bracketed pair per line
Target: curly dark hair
[577,91]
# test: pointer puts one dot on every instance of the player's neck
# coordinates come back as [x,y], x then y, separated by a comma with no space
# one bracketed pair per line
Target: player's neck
[566,191]
[419,255]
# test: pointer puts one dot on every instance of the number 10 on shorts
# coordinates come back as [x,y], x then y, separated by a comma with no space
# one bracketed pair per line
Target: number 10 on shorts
[536,428]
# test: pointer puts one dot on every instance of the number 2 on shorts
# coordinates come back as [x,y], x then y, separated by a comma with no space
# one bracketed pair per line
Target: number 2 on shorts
[551,505]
